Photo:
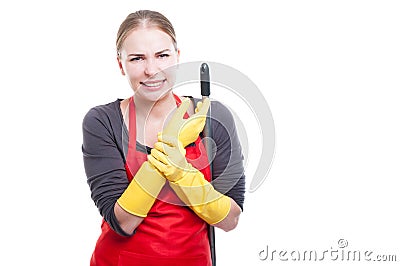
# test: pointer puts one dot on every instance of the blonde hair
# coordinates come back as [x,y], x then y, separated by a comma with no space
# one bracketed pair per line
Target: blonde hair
[144,18]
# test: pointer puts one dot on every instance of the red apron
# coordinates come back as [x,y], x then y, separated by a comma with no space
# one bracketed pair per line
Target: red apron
[171,234]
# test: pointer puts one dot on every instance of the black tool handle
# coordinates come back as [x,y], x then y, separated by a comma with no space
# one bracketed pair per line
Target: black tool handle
[205,93]
[205,80]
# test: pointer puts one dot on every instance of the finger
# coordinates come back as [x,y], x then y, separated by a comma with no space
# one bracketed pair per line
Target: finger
[159,156]
[170,140]
[169,150]
[181,110]
[198,106]
[202,110]
[165,148]
[204,107]
[157,164]
[159,146]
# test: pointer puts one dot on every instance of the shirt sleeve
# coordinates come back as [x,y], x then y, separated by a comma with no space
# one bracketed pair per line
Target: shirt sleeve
[227,165]
[104,162]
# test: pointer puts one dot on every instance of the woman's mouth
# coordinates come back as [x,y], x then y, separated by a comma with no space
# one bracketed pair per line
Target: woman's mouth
[153,85]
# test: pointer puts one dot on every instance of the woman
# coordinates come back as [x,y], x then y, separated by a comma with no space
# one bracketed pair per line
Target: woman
[150,182]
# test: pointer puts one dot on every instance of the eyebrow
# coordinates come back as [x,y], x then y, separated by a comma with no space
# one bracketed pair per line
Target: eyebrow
[163,51]
[157,53]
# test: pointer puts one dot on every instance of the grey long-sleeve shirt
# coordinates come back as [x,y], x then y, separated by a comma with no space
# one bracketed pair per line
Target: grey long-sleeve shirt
[104,138]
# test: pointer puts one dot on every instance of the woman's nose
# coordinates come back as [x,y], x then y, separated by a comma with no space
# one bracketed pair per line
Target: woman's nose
[151,67]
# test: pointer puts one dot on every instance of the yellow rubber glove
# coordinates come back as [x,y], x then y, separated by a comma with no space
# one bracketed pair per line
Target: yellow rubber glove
[189,183]
[186,130]
[143,190]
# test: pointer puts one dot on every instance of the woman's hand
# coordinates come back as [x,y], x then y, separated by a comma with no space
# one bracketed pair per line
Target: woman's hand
[167,158]
[186,130]
[189,183]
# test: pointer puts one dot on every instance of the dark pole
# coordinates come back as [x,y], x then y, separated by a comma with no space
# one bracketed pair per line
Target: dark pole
[205,93]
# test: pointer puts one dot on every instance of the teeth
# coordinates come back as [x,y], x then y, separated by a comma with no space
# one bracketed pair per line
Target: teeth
[157,84]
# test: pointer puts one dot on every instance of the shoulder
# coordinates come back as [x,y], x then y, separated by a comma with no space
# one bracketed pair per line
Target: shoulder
[106,115]
[103,111]
[221,115]
[218,109]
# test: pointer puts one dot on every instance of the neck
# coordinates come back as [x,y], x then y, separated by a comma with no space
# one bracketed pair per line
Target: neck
[155,110]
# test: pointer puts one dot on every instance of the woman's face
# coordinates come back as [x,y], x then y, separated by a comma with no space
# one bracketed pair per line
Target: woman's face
[146,57]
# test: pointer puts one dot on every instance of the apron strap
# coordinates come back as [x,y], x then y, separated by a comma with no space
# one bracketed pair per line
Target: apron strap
[131,156]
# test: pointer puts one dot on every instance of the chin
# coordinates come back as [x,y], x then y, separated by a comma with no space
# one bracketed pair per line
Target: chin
[153,96]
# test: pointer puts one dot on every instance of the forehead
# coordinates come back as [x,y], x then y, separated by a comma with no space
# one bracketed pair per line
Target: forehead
[144,40]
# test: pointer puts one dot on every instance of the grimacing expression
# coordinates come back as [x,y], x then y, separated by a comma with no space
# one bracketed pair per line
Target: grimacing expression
[147,58]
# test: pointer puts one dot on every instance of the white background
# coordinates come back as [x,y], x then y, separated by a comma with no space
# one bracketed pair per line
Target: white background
[329,71]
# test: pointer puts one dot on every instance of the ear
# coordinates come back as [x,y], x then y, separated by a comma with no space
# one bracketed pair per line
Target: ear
[178,54]
[120,65]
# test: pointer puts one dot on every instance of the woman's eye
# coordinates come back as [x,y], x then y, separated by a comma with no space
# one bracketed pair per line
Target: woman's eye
[135,59]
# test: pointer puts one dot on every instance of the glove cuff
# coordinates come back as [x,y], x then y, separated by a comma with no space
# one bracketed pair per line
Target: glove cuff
[143,190]
[201,197]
